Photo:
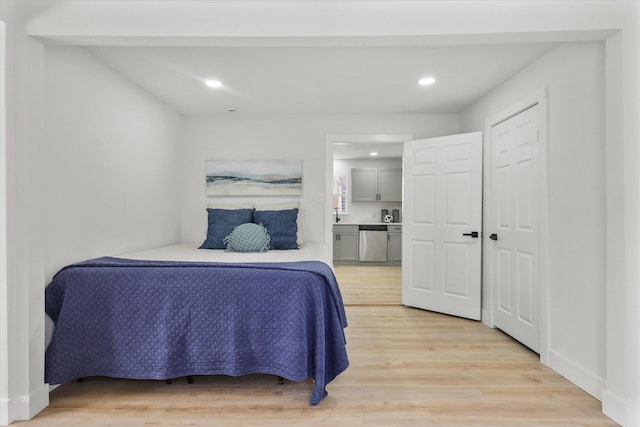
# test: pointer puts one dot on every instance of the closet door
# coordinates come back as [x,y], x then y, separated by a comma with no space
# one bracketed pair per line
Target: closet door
[514,233]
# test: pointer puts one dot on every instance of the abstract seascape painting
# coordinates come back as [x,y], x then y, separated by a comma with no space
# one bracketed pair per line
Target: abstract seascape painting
[254,177]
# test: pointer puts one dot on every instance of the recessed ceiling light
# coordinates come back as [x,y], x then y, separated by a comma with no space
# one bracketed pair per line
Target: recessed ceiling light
[426,81]
[213,83]
[373,154]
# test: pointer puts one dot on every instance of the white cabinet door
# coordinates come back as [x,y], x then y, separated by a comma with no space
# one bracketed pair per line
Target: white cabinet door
[442,206]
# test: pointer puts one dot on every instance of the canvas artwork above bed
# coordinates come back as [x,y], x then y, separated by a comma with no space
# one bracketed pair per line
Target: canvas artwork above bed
[254,177]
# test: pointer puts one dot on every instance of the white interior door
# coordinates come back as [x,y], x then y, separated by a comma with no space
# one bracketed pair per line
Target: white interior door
[442,208]
[514,252]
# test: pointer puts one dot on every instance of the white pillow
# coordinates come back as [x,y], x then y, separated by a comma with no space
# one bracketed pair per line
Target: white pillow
[282,206]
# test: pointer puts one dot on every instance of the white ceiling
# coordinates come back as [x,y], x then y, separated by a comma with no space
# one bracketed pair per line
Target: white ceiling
[320,80]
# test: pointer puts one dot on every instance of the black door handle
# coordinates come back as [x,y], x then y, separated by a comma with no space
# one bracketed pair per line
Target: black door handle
[493,236]
[473,234]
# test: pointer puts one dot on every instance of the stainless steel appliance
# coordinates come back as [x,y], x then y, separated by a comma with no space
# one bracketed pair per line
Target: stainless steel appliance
[396,215]
[373,243]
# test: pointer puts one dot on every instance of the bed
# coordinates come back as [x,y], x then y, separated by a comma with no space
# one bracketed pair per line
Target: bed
[182,311]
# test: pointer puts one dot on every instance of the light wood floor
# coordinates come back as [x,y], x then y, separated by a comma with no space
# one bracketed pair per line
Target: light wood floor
[408,367]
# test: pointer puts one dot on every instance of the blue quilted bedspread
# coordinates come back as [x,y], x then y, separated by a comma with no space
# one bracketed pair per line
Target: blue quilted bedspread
[159,320]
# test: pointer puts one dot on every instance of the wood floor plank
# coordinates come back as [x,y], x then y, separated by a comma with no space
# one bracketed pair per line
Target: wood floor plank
[408,367]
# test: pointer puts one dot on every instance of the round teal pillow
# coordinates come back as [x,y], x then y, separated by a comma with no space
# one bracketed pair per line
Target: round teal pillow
[248,237]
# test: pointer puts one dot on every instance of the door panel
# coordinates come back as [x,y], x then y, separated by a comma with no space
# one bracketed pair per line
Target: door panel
[525,173]
[457,269]
[504,273]
[424,211]
[423,259]
[503,178]
[458,200]
[514,256]
[443,201]
[525,288]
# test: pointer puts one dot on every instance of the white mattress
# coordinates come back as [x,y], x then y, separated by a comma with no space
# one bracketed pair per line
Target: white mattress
[190,252]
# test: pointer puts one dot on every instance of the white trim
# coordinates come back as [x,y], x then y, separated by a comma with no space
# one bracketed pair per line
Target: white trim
[6,409]
[614,407]
[330,139]
[486,318]
[578,375]
[540,98]
[24,407]
[616,272]
[38,400]
[487,312]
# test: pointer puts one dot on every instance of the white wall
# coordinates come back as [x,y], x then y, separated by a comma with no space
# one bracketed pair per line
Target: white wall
[282,137]
[362,212]
[110,163]
[574,75]
[22,390]
[10,347]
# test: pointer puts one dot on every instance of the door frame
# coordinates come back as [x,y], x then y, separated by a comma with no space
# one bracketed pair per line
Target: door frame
[330,139]
[7,410]
[540,97]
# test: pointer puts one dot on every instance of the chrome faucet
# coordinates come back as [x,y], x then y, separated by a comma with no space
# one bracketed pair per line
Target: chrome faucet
[337,216]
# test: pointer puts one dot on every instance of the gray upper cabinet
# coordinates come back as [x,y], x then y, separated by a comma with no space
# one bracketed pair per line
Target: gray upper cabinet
[373,184]
[364,184]
[390,182]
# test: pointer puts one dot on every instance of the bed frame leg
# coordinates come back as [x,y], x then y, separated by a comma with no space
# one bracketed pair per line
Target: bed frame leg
[280,380]
[190,379]
[169,381]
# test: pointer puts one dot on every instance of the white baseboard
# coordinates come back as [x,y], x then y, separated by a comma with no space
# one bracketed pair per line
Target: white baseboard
[614,407]
[575,373]
[6,412]
[24,407]
[39,400]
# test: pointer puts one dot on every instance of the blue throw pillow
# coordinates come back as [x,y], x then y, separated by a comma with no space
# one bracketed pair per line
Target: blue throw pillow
[248,237]
[281,225]
[222,223]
